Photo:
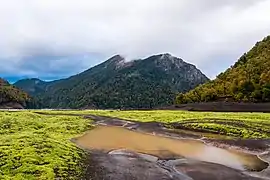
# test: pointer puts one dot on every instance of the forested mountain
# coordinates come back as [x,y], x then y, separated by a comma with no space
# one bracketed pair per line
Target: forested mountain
[115,83]
[11,97]
[32,86]
[248,80]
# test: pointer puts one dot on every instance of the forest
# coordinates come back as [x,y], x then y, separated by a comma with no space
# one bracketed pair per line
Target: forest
[248,80]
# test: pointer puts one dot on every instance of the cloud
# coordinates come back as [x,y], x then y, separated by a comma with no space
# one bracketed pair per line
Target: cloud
[51,38]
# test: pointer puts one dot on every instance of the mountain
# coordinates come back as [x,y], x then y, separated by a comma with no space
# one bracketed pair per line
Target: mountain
[248,80]
[117,83]
[32,86]
[11,97]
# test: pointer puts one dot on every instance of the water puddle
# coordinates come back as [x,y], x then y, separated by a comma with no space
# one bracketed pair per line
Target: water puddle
[108,138]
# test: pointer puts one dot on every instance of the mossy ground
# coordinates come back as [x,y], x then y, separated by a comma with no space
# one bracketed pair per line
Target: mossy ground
[34,146]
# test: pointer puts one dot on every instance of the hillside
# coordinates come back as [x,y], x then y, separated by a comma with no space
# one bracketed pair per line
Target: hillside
[115,83]
[11,97]
[248,80]
[32,86]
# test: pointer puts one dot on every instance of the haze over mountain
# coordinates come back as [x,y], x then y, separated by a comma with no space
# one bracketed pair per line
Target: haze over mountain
[116,83]
[248,80]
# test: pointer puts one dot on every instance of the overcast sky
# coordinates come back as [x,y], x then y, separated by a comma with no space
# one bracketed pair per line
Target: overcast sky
[52,39]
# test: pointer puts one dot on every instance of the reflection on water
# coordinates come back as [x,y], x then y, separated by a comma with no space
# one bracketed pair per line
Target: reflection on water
[111,138]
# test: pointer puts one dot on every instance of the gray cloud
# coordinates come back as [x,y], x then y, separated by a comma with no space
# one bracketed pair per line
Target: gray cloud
[62,37]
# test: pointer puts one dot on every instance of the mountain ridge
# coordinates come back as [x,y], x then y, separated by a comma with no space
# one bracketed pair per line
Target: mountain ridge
[117,83]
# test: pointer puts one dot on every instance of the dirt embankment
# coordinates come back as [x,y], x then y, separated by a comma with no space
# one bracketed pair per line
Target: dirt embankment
[222,107]
[11,105]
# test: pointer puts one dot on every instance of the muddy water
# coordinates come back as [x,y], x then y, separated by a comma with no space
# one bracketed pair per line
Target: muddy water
[109,138]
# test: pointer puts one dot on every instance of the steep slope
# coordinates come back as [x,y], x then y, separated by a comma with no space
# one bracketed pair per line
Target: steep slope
[11,97]
[147,83]
[248,80]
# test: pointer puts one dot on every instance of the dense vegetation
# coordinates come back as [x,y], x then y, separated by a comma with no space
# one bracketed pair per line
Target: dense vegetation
[244,125]
[248,80]
[9,94]
[147,83]
[38,147]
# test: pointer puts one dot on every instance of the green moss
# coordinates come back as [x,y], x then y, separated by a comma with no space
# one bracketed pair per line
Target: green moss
[38,147]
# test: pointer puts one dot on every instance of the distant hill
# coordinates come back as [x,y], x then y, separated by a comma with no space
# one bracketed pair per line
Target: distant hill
[248,80]
[32,86]
[115,83]
[11,97]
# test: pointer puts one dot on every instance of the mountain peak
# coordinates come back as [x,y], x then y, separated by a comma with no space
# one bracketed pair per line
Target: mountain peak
[170,57]
[166,56]
[30,80]
[167,61]
[116,61]
[116,58]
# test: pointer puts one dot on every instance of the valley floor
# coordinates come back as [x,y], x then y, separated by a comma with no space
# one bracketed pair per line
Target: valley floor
[36,144]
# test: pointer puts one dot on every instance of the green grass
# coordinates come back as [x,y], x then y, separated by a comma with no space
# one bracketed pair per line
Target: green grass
[243,125]
[170,116]
[34,146]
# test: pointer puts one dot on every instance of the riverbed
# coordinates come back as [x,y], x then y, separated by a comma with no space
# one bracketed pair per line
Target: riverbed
[128,150]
